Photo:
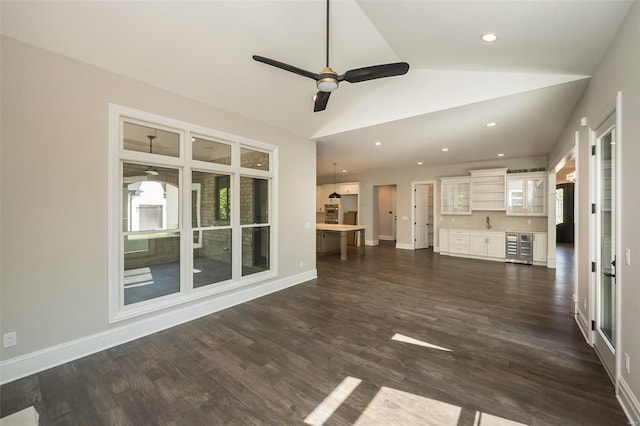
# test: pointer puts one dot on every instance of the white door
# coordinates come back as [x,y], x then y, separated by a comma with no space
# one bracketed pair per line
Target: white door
[421,216]
[606,303]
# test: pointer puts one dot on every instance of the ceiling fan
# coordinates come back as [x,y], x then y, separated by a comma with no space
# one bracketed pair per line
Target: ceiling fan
[327,80]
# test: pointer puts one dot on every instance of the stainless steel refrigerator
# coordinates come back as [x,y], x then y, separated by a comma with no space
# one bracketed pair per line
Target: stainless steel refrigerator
[519,247]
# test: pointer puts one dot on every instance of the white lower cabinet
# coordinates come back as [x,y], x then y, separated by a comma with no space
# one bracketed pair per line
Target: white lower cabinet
[458,242]
[486,245]
[479,244]
[444,241]
[489,244]
[539,248]
[497,246]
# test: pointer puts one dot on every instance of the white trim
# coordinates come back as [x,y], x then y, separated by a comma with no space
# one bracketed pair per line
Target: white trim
[117,154]
[386,237]
[35,362]
[404,246]
[433,213]
[583,323]
[371,242]
[628,401]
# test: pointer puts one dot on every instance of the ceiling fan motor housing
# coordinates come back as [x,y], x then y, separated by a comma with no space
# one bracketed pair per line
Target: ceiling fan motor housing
[328,81]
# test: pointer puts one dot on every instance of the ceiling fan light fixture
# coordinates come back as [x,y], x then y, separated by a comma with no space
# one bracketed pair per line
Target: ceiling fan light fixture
[328,81]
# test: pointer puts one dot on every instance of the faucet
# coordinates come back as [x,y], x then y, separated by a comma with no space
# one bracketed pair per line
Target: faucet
[488,223]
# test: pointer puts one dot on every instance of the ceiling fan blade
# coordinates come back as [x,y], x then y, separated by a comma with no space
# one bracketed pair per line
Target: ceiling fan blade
[321,101]
[375,71]
[286,67]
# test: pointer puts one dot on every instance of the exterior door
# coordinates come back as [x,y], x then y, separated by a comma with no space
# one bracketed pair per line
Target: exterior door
[421,217]
[606,303]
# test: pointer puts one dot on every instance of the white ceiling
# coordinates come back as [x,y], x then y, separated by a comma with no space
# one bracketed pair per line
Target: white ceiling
[528,81]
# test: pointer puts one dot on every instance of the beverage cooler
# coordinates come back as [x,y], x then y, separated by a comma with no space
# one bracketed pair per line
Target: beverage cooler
[519,247]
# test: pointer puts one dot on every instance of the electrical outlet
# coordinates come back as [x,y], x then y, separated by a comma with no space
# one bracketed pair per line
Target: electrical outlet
[627,255]
[585,304]
[10,339]
[301,264]
[627,363]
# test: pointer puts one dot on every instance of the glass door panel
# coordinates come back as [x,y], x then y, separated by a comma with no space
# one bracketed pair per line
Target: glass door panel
[606,303]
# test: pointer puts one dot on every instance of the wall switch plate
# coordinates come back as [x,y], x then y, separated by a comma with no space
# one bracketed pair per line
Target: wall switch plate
[9,339]
[627,256]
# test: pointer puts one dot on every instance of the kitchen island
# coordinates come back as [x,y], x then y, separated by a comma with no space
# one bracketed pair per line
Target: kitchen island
[343,230]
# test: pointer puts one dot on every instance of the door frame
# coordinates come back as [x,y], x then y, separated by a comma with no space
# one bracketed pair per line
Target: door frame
[433,206]
[612,109]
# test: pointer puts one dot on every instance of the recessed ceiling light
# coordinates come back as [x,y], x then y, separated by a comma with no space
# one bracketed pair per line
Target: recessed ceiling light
[501,155]
[344,171]
[419,163]
[445,149]
[492,124]
[193,139]
[489,37]
[378,143]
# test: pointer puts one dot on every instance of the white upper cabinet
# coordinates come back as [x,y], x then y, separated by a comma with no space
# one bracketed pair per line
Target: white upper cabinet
[488,189]
[348,188]
[456,192]
[526,194]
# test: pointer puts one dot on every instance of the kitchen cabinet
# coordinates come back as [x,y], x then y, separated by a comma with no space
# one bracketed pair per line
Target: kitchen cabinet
[348,188]
[487,244]
[455,193]
[488,189]
[459,242]
[321,198]
[327,242]
[526,194]
[444,241]
[473,243]
[539,248]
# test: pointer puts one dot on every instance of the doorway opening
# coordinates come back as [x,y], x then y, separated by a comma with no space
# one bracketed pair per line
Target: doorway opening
[384,212]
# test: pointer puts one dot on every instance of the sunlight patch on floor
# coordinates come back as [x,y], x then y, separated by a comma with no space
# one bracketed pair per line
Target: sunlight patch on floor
[406,339]
[325,410]
[391,406]
[394,407]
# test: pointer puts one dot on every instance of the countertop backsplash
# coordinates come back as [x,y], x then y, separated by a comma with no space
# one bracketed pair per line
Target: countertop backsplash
[499,222]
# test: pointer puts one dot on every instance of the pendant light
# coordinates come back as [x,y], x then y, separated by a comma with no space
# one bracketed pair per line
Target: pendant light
[151,171]
[334,194]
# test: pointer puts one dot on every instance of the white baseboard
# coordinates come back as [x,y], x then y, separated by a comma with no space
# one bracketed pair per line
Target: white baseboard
[629,402]
[404,246]
[583,324]
[386,237]
[372,243]
[34,362]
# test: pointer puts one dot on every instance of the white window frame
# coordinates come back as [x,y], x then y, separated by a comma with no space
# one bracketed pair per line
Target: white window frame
[184,163]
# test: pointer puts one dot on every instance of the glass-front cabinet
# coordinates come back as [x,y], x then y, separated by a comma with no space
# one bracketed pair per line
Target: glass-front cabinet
[526,194]
[455,195]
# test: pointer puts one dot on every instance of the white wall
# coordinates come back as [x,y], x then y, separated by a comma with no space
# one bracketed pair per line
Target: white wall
[618,71]
[54,191]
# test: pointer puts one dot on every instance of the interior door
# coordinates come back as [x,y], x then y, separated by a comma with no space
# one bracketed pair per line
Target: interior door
[606,303]
[422,217]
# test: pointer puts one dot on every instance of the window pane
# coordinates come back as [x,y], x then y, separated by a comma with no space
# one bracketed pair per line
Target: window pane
[154,141]
[212,260]
[254,200]
[254,159]
[210,151]
[210,199]
[255,250]
[150,198]
[154,269]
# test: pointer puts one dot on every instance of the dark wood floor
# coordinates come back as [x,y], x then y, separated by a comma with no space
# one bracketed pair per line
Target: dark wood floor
[515,353]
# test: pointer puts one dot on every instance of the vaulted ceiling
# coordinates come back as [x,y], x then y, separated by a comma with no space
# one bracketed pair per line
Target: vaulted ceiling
[527,82]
